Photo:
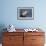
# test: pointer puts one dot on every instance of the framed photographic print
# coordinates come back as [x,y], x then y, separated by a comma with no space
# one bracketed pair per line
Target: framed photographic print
[25,13]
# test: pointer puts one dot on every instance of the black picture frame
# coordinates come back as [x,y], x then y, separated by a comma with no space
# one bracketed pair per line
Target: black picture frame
[25,13]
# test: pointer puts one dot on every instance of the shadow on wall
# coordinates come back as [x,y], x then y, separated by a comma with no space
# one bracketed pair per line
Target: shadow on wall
[2,26]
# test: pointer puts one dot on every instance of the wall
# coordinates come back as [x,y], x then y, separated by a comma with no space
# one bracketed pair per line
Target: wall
[9,13]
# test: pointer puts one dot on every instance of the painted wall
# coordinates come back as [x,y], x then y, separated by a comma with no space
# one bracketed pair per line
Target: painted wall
[9,13]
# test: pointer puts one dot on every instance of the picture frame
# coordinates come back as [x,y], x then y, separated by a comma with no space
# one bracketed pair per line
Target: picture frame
[25,13]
